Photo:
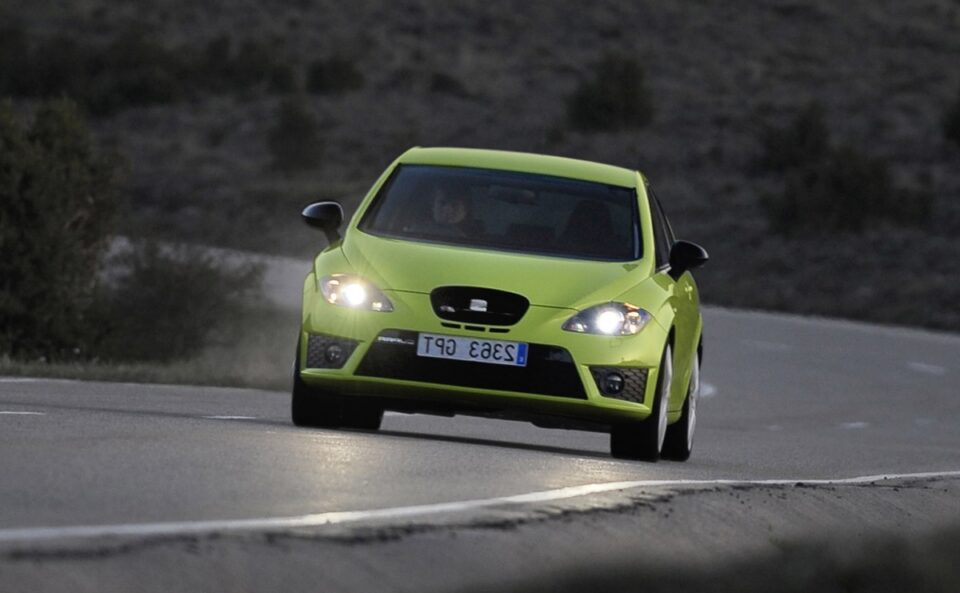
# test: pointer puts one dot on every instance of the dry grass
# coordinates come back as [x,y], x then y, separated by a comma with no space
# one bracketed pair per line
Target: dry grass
[257,353]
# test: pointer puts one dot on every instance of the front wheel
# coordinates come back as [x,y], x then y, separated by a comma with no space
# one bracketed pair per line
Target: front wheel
[679,442]
[644,440]
[312,407]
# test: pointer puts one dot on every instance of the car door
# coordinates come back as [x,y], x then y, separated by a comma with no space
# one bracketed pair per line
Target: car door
[683,300]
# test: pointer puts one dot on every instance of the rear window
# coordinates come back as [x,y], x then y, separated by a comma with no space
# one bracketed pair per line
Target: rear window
[507,211]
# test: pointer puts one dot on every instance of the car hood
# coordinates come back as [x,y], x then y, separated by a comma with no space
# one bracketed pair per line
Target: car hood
[395,264]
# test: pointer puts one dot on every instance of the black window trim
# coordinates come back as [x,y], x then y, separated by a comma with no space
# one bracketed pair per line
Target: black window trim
[658,215]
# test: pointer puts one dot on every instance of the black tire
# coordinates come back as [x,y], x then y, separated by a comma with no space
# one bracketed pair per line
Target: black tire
[643,440]
[679,442]
[361,414]
[312,407]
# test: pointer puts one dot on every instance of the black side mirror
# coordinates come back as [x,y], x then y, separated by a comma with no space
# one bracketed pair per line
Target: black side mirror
[326,216]
[684,256]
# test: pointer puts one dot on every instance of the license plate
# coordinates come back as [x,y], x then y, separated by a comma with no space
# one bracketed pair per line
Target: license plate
[472,349]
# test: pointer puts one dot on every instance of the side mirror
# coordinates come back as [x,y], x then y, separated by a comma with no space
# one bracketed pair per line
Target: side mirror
[684,256]
[326,216]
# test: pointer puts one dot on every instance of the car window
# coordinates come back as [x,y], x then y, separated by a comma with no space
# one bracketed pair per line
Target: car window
[671,237]
[508,211]
[662,233]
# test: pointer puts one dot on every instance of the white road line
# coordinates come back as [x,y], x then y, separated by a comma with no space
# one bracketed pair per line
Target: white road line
[36,534]
[229,417]
[19,413]
[929,369]
[18,380]
[707,389]
[858,425]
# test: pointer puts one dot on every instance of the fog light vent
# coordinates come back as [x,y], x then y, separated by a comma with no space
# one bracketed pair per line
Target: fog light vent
[328,352]
[628,384]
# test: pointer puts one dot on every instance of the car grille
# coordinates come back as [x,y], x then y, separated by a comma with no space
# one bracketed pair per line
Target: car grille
[485,306]
[549,371]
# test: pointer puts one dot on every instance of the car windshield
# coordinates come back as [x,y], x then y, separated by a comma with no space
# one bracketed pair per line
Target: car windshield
[507,211]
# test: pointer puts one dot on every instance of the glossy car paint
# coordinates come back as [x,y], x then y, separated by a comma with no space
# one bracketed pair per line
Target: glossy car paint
[406,271]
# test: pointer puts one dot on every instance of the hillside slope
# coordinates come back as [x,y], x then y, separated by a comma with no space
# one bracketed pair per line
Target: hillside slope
[489,74]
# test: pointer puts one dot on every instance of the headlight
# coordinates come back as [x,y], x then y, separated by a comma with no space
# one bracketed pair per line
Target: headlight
[354,292]
[609,319]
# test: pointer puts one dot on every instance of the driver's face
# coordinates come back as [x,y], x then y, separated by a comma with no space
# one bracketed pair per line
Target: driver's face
[448,209]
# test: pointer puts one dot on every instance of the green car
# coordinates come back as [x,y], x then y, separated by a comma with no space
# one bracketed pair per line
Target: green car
[507,285]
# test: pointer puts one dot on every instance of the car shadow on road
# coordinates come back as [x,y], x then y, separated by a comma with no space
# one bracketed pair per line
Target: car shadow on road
[414,435]
[492,443]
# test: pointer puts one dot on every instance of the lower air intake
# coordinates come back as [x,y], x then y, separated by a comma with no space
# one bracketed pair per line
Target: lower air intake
[328,352]
[549,370]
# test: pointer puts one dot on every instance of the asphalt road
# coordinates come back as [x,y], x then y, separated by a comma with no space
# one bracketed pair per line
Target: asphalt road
[786,398]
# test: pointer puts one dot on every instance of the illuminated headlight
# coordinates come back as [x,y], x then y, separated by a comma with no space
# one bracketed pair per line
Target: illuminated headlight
[609,319]
[354,292]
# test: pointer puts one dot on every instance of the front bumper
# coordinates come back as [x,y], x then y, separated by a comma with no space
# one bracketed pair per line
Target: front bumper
[560,379]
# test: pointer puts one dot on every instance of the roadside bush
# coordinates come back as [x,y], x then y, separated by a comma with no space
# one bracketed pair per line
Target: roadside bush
[222,69]
[951,122]
[616,97]
[445,84]
[13,53]
[840,194]
[258,64]
[805,141]
[57,200]
[294,141]
[162,303]
[134,69]
[335,74]
[131,70]
[282,78]
[829,189]
[58,197]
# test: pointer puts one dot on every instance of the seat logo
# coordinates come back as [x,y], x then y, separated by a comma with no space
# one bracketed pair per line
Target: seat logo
[478,305]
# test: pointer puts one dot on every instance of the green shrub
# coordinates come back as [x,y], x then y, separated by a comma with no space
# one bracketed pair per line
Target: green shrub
[446,84]
[57,200]
[845,192]
[134,69]
[253,64]
[166,303]
[14,52]
[282,78]
[805,141]
[829,189]
[616,97]
[130,70]
[294,141]
[220,69]
[951,122]
[335,74]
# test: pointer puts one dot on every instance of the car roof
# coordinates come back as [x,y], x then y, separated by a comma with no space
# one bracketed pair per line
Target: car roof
[523,162]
